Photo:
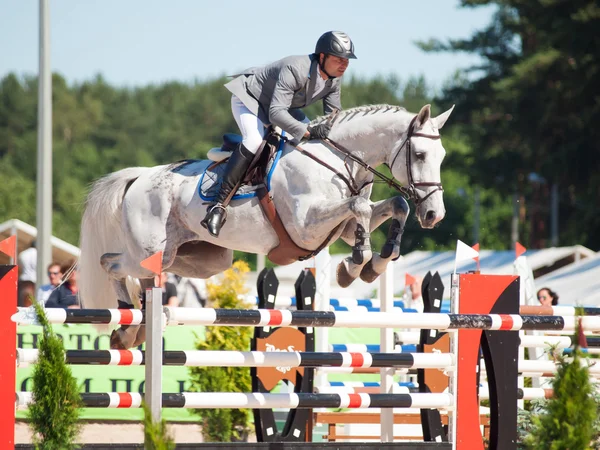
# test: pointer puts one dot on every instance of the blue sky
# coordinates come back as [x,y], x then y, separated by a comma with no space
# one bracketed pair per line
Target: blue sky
[138,42]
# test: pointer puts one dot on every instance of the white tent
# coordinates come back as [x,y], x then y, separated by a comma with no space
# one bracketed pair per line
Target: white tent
[418,263]
[61,251]
[575,284]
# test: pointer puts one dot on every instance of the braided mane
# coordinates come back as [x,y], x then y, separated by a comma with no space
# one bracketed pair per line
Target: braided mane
[349,114]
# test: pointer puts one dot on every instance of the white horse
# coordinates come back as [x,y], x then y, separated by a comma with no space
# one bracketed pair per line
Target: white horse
[135,212]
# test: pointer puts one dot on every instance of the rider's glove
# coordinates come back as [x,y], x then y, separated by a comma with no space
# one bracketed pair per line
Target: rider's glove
[320,131]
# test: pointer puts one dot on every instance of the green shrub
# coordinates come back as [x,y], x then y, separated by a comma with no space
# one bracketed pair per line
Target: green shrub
[568,420]
[156,434]
[224,425]
[54,413]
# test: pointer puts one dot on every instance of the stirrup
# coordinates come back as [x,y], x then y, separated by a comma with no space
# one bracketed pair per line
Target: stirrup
[220,206]
[209,217]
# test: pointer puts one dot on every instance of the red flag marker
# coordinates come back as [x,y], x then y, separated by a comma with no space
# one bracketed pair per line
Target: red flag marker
[409,279]
[519,250]
[9,246]
[153,263]
[476,248]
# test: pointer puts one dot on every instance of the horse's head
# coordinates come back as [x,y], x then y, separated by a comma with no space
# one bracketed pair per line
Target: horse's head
[416,161]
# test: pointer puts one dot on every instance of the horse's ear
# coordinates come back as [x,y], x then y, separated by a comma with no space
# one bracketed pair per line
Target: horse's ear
[440,120]
[423,116]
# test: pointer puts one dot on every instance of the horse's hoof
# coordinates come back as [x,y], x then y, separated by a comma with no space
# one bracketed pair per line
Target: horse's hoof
[344,279]
[124,338]
[368,274]
[116,343]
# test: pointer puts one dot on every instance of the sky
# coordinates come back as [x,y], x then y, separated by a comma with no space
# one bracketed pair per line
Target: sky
[137,42]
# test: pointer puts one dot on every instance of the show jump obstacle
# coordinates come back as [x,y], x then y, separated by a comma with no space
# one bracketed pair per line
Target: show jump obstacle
[482,318]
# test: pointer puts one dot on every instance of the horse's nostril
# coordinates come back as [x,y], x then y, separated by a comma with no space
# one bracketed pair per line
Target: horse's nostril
[430,216]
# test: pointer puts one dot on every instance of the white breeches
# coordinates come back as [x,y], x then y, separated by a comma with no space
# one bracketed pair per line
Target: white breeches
[250,126]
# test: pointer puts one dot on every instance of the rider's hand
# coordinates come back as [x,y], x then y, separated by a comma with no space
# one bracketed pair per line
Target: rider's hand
[320,131]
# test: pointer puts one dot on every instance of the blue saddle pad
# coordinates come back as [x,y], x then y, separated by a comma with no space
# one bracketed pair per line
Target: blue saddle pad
[211,179]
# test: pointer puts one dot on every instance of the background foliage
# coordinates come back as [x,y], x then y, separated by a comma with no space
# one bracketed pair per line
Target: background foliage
[526,118]
[156,434]
[225,425]
[569,419]
[530,109]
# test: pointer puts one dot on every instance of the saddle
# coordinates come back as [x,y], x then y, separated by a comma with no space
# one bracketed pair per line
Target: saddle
[230,143]
[257,176]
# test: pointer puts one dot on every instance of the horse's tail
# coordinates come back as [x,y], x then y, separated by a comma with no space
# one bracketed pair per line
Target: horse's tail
[101,233]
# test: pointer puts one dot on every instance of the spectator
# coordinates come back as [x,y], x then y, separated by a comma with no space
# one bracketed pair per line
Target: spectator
[547,297]
[55,277]
[413,298]
[169,290]
[27,261]
[65,296]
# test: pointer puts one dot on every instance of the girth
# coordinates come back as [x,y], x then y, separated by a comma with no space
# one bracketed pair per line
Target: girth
[286,252]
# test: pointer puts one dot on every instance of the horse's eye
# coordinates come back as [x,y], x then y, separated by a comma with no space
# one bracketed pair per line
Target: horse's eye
[420,156]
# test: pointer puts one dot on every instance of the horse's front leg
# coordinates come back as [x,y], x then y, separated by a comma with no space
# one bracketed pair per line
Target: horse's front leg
[350,268]
[397,208]
[359,210]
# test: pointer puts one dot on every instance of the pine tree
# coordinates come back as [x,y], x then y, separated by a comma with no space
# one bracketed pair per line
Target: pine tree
[569,417]
[54,413]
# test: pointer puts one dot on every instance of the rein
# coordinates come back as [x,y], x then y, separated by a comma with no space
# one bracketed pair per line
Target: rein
[388,180]
[410,191]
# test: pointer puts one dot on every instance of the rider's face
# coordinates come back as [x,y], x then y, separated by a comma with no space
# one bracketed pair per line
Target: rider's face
[334,65]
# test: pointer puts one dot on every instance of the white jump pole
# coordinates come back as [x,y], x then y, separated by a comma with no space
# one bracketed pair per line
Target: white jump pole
[453,381]
[386,298]
[322,296]
[154,350]
[527,296]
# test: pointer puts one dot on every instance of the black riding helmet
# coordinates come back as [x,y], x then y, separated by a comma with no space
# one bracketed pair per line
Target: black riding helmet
[336,43]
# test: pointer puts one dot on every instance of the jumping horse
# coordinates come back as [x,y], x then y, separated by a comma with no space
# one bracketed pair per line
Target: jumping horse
[320,189]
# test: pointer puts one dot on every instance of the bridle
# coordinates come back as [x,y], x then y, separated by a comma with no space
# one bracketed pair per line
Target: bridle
[410,191]
[412,185]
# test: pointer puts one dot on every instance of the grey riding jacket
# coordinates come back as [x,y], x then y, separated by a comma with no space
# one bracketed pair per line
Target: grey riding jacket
[276,92]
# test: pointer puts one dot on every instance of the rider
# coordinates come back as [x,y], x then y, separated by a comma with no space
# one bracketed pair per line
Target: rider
[274,94]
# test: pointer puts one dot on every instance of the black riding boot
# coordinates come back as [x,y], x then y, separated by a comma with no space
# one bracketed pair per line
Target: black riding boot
[234,172]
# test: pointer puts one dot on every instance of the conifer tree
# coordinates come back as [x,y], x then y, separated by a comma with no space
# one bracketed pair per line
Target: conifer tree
[54,413]
[567,423]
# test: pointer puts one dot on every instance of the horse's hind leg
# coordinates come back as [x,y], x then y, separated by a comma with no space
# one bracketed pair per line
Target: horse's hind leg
[140,337]
[123,337]
[194,259]
[126,336]
[146,235]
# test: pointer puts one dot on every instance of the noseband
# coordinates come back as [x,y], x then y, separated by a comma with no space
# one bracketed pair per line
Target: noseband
[412,188]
